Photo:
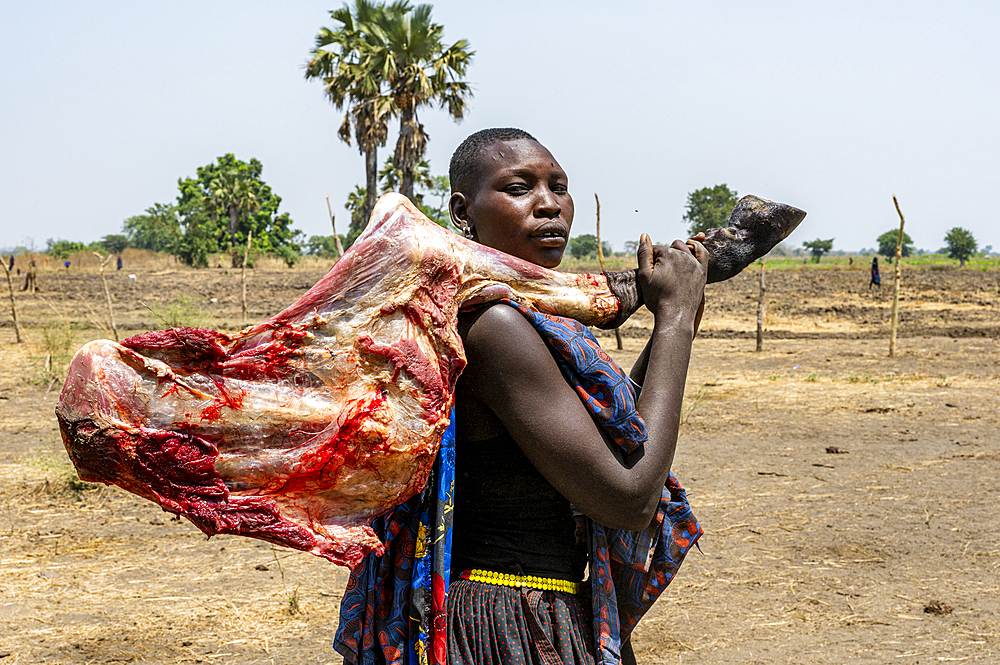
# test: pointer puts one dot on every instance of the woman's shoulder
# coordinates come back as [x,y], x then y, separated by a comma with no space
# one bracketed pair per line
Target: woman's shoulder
[505,353]
[499,344]
[496,327]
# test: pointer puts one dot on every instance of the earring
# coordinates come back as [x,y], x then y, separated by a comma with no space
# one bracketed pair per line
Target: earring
[467,231]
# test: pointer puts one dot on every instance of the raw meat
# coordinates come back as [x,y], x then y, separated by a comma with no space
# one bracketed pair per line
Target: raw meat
[301,429]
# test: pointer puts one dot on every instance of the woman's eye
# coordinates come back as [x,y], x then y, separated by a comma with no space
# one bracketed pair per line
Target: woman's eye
[560,188]
[516,188]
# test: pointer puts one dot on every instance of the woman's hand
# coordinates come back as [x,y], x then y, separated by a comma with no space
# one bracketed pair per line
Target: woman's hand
[672,279]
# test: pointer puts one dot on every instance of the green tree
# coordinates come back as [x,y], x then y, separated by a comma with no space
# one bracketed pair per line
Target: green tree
[206,212]
[230,190]
[440,189]
[322,246]
[818,247]
[418,70]
[390,176]
[961,244]
[351,78]
[159,229]
[438,186]
[887,244]
[585,245]
[114,243]
[62,249]
[709,208]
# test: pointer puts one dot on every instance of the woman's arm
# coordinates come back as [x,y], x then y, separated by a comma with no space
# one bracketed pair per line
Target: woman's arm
[512,372]
[638,373]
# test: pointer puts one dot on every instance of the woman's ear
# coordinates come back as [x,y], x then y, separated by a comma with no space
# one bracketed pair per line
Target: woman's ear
[459,209]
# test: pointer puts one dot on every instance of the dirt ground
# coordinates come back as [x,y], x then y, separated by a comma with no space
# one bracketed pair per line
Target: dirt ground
[848,499]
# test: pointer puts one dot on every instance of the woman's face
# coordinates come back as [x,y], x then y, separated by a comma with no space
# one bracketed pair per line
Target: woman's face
[522,206]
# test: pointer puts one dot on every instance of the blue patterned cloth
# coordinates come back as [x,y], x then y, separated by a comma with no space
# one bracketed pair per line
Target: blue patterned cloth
[394,607]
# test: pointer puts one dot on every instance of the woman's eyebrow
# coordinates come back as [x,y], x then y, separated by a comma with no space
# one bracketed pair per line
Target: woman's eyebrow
[528,173]
[517,171]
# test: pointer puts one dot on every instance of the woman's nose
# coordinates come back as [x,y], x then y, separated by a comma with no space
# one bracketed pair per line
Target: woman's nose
[547,204]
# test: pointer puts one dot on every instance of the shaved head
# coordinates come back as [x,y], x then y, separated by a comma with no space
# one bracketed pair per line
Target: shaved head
[464,172]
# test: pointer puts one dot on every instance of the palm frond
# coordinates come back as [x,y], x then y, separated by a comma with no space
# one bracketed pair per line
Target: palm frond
[345,129]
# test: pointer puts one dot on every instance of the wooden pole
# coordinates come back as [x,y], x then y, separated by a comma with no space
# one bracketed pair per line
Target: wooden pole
[600,257]
[895,287]
[107,294]
[243,279]
[13,305]
[760,308]
[333,223]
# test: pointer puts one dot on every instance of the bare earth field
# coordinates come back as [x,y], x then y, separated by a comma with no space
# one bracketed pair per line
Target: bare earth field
[849,499]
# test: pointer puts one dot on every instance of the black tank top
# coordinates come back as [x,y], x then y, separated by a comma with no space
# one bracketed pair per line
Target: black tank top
[508,518]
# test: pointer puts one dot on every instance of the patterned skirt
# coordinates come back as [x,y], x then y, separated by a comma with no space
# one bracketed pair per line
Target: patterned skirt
[498,625]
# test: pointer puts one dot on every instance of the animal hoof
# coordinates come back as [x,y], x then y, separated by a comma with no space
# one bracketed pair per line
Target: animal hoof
[756,225]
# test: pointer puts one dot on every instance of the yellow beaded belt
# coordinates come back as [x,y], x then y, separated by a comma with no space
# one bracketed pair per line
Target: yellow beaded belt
[530,581]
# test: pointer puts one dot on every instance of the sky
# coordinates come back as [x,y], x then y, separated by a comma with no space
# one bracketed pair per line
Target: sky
[831,107]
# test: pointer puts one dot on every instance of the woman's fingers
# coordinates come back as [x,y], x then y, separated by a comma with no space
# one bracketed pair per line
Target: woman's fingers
[699,251]
[694,247]
[681,245]
[644,252]
[649,256]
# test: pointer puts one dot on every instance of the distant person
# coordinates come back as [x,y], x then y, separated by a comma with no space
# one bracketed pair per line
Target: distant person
[850,260]
[876,278]
[30,279]
[119,261]
[12,262]
[66,263]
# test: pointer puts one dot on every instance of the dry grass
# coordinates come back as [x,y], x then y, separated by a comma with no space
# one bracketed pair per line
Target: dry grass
[97,575]
[809,556]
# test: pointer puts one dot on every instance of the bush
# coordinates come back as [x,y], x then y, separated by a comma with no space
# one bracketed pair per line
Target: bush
[62,249]
[288,253]
[323,246]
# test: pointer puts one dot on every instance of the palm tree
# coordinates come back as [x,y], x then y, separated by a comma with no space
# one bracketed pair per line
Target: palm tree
[390,177]
[231,190]
[341,59]
[418,70]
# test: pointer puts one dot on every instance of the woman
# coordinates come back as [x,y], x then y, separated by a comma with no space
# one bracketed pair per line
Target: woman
[528,453]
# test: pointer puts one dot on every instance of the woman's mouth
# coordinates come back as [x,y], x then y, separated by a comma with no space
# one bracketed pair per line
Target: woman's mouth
[550,237]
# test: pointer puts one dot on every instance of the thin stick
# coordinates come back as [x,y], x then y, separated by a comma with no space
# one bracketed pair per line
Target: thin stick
[760,308]
[600,256]
[13,306]
[895,287]
[107,293]
[333,223]
[243,278]
[155,313]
